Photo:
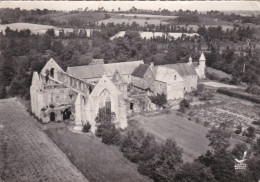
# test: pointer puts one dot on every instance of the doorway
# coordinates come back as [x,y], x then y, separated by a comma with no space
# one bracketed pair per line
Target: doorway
[52,116]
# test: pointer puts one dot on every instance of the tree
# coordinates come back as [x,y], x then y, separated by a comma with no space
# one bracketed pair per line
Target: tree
[250,132]
[239,149]
[160,100]
[2,92]
[195,172]
[106,129]
[218,138]
[184,104]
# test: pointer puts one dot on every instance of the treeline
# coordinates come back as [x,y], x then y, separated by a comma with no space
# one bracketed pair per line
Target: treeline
[234,18]
[23,52]
[163,161]
[243,68]
[236,34]
[29,16]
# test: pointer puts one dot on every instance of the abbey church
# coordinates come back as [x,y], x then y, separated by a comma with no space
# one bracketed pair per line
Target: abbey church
[125,87]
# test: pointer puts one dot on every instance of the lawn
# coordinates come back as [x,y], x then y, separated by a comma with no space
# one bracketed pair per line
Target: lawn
[190,136]
[86,17]
[97,161]
[220,74]
[129,21]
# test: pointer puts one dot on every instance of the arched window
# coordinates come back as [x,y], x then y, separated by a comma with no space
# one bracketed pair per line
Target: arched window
[52,72]
[108,105]
[175,77]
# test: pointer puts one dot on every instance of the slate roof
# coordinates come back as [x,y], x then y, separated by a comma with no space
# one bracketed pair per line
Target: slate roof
[165,74]
[184,69]
[140,70]
[97,71]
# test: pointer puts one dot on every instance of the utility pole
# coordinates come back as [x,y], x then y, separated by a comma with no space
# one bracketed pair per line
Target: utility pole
[244,68]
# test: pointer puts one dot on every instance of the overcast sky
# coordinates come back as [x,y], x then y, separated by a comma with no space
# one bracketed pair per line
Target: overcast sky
[125,5]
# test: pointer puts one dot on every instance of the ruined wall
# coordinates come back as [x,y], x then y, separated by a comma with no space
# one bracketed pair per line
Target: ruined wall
[55,101]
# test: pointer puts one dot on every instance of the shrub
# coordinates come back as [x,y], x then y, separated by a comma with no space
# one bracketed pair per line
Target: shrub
[86,127]
[239,94]
[166,111]
[256,123]
[183,105]
[249,132]
[160,100]
[206,123]
[239,129]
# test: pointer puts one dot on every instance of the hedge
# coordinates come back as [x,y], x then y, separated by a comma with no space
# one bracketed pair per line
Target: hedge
[238,94]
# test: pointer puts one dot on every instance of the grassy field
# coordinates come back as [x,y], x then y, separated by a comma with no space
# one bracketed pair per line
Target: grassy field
[189,135]
[86,17]
[129,21]
[219,73]
[97,161]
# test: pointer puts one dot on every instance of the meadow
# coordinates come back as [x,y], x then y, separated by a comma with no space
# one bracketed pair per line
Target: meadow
[141,22]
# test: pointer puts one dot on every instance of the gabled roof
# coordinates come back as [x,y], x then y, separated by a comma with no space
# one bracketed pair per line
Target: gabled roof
[97,71]
[184,69]
[51,64]
[165,74]
[140,70]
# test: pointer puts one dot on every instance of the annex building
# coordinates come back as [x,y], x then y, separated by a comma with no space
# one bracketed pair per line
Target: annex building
[81,91]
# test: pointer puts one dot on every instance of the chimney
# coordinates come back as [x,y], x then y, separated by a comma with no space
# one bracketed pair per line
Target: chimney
[151,65]
[190,60]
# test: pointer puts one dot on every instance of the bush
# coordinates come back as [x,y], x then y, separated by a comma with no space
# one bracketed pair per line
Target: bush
[184,104]
[239,94]
[238,130]
[160,100]
[249,132]
[86,127]
[256,123]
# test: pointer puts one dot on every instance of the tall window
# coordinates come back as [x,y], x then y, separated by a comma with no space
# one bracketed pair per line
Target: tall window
[175,77]
[52,72]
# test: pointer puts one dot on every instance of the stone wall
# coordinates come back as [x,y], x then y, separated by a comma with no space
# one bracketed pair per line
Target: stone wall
[190,83]
[175,90]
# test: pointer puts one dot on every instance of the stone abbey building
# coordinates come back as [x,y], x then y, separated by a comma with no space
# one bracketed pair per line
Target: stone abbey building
[78,93]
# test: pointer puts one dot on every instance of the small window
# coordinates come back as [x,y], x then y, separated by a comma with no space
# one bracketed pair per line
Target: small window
[131,106]
[175,77]
[184,89]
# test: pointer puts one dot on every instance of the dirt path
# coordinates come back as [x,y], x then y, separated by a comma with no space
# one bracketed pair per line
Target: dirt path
[26,153]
